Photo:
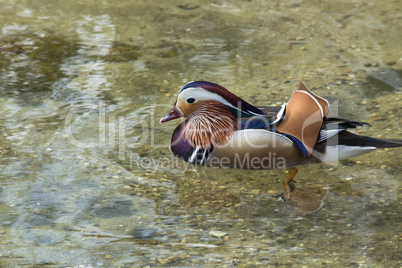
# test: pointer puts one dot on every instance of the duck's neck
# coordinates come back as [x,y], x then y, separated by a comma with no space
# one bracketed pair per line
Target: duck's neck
[209,125]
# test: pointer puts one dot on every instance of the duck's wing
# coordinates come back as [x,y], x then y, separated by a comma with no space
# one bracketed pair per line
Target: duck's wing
[270,111]
[341,123]
[301,118]
[331,126]
[257,122]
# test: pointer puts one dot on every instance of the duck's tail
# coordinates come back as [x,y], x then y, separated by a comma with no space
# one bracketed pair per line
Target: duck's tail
[337,127]
[344,145]
[389,143]
[350,139]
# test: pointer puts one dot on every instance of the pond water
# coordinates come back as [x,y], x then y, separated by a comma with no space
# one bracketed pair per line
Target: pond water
[87,177]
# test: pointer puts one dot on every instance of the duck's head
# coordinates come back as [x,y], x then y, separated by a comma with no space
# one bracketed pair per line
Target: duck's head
[205,96]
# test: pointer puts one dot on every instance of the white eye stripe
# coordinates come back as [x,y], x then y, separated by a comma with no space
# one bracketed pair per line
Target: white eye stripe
[199,93]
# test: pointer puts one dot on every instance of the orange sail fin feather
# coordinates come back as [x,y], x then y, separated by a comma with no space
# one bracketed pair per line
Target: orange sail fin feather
[303,118]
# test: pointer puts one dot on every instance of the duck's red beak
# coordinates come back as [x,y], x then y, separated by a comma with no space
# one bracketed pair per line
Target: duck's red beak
[173,114]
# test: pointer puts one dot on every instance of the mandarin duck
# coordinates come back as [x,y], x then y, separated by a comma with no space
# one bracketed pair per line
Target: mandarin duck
[222,130]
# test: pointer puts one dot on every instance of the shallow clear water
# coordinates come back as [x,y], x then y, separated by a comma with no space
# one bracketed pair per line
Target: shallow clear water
[87,178]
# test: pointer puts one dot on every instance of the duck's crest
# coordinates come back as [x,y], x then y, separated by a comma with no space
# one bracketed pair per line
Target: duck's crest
[234,100]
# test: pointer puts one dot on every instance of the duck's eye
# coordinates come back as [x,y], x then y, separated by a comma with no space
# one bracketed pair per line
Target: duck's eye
[190,100]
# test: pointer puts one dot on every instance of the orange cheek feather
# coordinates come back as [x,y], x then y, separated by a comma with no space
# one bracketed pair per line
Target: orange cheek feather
[186,108]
